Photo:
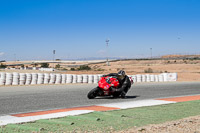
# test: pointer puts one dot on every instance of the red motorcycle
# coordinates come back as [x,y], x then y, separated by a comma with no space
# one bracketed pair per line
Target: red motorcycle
[106,87]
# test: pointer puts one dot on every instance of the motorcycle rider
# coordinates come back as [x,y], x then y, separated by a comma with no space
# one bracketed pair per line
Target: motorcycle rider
[124,82]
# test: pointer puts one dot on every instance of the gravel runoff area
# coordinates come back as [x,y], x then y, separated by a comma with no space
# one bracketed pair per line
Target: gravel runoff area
[186,125]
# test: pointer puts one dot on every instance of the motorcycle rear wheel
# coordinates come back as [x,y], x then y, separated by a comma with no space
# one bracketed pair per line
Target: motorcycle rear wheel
[93,93]
[116,94]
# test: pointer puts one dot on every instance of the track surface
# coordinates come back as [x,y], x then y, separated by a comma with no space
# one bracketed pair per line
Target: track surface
[18,99]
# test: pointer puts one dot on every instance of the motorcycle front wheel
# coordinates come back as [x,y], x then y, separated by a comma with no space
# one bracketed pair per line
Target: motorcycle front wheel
[93,93]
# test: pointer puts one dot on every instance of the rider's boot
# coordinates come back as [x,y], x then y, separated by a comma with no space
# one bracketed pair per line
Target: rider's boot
[123,94]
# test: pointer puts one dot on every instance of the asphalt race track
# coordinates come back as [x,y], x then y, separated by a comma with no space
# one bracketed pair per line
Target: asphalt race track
[21,99]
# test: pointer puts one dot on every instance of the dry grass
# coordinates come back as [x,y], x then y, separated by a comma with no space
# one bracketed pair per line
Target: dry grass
[188,70]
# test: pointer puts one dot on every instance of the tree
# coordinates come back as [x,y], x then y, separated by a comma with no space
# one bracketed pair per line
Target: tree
[57,66]
[3,66]
[84,67]
[72,69]
[45,65]
[22,66]
[35,64]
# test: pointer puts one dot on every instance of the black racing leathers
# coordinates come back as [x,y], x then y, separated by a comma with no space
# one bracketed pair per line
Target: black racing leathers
[125,84]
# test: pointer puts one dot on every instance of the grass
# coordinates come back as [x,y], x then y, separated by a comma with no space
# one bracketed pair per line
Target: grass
[109,121]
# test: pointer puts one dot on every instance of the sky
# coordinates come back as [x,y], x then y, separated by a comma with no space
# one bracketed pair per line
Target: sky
[32,29]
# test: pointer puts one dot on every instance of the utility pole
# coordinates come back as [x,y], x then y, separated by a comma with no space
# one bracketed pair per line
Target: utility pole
[15,58]
[107,41]
[54,52]
[151,52]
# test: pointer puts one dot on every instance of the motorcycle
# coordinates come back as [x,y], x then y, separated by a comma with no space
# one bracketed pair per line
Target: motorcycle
[106,87]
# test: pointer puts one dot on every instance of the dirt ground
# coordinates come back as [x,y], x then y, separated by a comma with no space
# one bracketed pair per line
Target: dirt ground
[187,70]
[186,125]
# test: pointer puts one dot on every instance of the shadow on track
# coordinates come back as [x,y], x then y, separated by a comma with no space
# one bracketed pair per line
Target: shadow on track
[131,97]
[109,97]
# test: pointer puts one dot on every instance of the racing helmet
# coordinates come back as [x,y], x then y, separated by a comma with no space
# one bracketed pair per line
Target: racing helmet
[121,74]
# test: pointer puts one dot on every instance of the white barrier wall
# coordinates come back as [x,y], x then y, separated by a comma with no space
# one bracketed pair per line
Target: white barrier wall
[22,78]
[58,79]
[90,79]
[9,78]
[28,78]
[79,78]
[34,78]
[152,78]
[160,78]
[96,78]
[2,78]
[156,78]
[63,77]
[46,78]
[74,78]
[139,78]
[52,78]
[144,78]
[69,78]
[85,78]
[148,78]
[40,78]
[15,79]
[172,77]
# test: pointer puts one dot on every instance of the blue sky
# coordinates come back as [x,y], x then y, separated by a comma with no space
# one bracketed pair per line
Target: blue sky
[32,29]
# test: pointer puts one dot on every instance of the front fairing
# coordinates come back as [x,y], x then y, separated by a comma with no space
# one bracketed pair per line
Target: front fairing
[106,82]
[104,85]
